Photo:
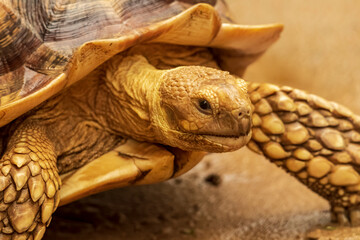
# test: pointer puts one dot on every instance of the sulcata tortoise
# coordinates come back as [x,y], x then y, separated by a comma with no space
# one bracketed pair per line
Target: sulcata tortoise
[102,94]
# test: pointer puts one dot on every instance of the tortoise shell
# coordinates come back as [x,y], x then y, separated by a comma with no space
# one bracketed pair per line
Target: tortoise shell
[48,45]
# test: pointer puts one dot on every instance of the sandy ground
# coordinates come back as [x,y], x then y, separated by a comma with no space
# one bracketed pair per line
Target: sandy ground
[245,197]
[253,200]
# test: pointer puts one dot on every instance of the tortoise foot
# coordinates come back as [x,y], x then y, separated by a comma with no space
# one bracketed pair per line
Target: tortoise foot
[315,140]
[346,216]
[29,186]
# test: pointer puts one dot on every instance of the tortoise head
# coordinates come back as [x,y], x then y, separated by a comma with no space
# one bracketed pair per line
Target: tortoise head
[204,109]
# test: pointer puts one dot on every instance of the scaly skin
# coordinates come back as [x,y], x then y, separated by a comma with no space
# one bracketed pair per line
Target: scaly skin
[191,107]
[164,106]
[195,108]
[30,183]
[316,141]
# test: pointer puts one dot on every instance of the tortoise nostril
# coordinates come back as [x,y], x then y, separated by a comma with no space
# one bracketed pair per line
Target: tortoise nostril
[244,126]
[241,112]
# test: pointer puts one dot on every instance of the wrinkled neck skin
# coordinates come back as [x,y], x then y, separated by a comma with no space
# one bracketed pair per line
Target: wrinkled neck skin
[164,106]
[143,94]
[134,84]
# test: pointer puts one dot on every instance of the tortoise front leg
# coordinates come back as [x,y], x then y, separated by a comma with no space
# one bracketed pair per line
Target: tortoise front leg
[314,140]
[29,184]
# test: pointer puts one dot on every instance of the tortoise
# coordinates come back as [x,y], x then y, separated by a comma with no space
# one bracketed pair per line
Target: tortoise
[102,94]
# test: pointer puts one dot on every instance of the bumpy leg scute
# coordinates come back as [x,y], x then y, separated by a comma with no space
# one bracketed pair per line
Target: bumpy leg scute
[39,231]
[315,140]
[22,215]
[10,194]
[34,167]
[20,176]
[27,180]
[47,209]
[20,160]
[4,182]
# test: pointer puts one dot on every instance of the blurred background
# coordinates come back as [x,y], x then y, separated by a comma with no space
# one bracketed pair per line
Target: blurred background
[240,195]
[319,49]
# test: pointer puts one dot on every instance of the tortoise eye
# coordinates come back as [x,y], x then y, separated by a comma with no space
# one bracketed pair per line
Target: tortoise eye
[204,105]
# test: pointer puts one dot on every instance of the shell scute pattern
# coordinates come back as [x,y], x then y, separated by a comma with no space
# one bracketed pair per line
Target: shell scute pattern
[38,38]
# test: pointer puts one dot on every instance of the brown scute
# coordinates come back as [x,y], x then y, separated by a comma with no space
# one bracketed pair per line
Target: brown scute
[65,26]
[77,31]
[10,85]
[42,42]
[17,41]
[38,42]
[68,40]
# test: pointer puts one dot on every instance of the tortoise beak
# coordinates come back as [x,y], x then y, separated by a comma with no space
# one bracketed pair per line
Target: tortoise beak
[243,117]
[244,125]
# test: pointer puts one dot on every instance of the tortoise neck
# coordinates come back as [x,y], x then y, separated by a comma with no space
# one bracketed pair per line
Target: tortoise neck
[134,87]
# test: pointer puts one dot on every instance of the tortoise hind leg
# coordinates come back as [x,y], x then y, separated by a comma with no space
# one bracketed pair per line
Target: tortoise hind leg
[314,140]
[29,184]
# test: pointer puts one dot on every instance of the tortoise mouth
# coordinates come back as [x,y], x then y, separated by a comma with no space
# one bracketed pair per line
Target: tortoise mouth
[220,143]
[189,141]
[227,142]
[225,135]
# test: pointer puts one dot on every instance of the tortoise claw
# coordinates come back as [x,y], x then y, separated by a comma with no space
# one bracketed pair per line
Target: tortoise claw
[315,140]
[355,217]
[346,217]
[342,219]
[29,185]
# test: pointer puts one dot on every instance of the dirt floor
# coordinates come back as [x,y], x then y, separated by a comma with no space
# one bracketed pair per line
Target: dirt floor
[245,197]
[241,195]
[227,196]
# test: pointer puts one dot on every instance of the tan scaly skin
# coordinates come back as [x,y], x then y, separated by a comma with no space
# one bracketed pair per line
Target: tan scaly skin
[195,108]
[315,140]
[192,107]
